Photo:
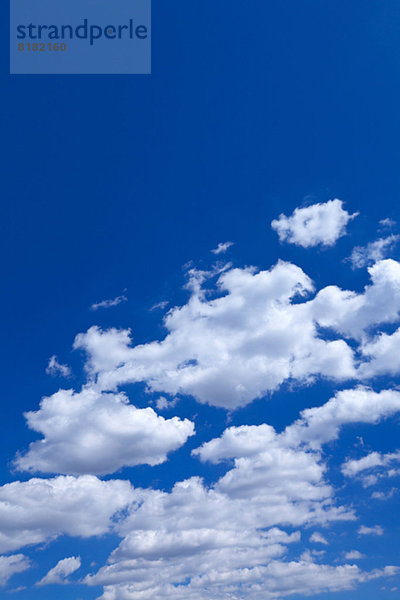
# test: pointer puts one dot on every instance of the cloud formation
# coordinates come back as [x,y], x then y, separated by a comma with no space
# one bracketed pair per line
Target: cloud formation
[59,573]
[319,224]
[57,369]
[39,510]
[91,432]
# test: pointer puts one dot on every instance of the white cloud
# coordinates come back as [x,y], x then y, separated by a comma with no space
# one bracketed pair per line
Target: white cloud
[353,555]
[262,331]
[382,354]
[317,224]
[109,303]
[351,314]
[38,510]
[378,466]
[278,579]
[376,530]
[201,541]
[55,368]
[161,305]
[229,350]
[91,432]
[59,573]
[387,222]
[10,565]
[372,252]
[222,247]
[320,425]
[318,538]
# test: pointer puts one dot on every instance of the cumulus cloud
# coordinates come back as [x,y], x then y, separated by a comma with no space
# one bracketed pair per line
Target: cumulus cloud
[91,432]
[351,314]
[39,510]
[109,303]
[55,368]
[222,247]
[11,565]
[261,330]
[318,224]
[228,350]
[59,573]
[372,252]
[226,538]
[322,424]
[381,355]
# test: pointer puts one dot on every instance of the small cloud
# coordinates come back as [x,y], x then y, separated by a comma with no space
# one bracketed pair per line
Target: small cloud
[222,247]
[57,369]
[353,555]
[387,223]
[319,224]
[109,303]
[161,305]
[383,495]
[318,538]
[376,530]
[59,573]
[163,404]
[362,256]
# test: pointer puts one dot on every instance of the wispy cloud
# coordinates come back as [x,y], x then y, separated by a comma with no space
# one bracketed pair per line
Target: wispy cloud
[362,256]
[222,247]
[57,369]
[109,303]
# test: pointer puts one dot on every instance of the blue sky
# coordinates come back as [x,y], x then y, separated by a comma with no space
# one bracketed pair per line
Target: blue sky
[122,186]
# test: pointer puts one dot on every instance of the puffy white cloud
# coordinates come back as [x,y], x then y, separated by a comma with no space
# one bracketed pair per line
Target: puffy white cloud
[90,432]
[61,571]
[352,314]
[258,333]
[228,350]
[39,510]
[376,530]
[322,223]
[362,256]
[55,368]
[320,425]
[109,303]
[10,565]
[382,355]
[222,247]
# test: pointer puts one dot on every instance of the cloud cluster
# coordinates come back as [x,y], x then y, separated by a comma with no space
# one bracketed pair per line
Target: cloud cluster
[318,224]
[227,538]
[261,330]
[237,535]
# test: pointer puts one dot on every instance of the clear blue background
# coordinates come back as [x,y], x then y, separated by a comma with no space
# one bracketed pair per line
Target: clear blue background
[114,182]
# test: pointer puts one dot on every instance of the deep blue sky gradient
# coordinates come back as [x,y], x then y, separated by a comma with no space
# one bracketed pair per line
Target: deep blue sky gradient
[114,182]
